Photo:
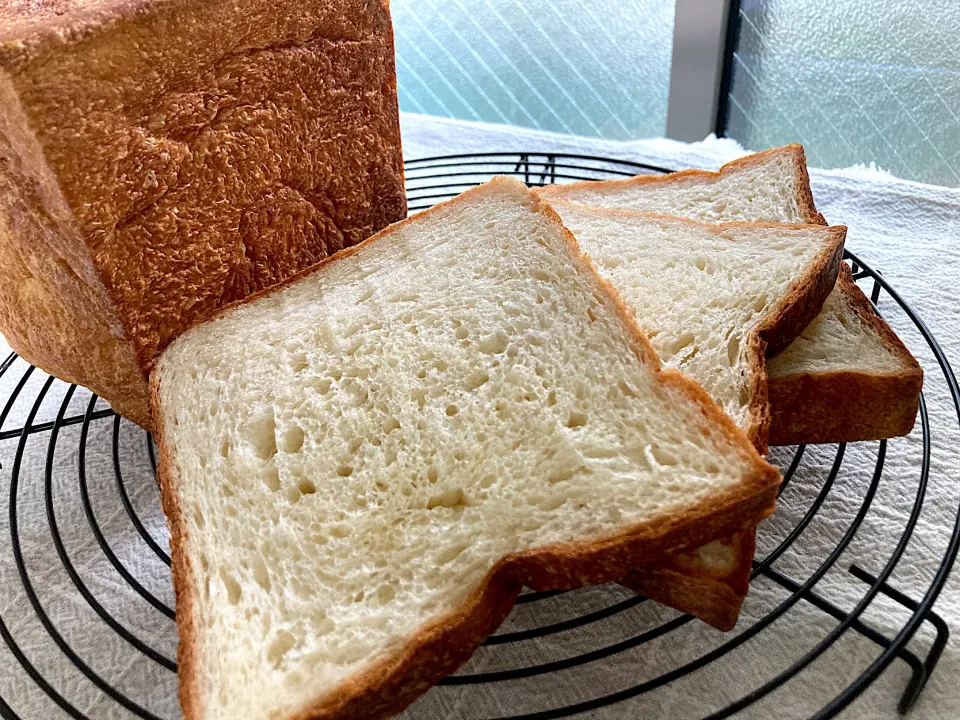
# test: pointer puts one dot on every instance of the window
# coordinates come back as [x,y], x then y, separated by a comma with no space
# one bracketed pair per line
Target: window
[599,68]
[854,81]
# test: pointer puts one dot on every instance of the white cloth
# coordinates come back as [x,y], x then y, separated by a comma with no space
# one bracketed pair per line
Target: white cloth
[906,230]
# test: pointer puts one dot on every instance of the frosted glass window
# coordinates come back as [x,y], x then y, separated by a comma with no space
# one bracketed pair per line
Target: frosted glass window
[855,81]
[586,67]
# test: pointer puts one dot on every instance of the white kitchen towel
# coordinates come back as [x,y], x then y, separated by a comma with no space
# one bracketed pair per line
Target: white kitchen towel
[99,483]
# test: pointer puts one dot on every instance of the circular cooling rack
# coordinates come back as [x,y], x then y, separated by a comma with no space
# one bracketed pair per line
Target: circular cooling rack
[87,609]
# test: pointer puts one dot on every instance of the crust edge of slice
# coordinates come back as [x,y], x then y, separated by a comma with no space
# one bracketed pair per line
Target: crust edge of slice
[785,322]
[440,647]
[847,405]
[688,583]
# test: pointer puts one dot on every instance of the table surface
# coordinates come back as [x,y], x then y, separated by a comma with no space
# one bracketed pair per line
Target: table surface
[906,230]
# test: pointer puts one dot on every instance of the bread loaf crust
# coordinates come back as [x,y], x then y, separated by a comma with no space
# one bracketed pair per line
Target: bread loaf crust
[846,406]
[438,649]
[713,595]
[195,166]
[54,308]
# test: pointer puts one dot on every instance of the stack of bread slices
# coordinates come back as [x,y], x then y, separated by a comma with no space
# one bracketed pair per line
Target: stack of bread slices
[364,465]
[812,370]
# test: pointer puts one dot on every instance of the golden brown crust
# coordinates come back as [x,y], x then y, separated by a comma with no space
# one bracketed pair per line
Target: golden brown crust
[784,322]
[194,167]
[438,649]
[792,153]
[805,303]
[836,407]
[804,193]
[183,586]
[848,406]
[54,310]
[695,586]
[26,25]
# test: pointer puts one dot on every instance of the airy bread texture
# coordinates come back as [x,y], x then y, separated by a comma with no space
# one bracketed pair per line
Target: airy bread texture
[834,330]
[844,399]
[361,467]
[162,158]
[710,297]
[810,401]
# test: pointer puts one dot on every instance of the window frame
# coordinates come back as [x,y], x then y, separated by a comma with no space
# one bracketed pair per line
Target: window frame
[704,40]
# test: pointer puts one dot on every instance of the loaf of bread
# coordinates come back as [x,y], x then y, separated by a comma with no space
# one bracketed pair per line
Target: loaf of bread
[362,466]
[160,158]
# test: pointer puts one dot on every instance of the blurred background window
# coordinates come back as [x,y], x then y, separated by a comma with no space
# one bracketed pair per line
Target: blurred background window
[854,81]
[582,67]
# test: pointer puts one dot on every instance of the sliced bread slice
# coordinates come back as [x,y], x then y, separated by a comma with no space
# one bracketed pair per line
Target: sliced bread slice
[769,186]
[807,380]
[711,297]
[714,299]
[773,186]
[364,465]
[829,366]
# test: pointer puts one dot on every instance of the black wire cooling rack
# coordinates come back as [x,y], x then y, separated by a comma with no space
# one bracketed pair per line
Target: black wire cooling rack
[83,479]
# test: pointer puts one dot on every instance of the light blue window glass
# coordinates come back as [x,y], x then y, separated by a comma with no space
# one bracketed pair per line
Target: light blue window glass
[855,81]
[586,67]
